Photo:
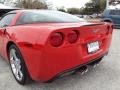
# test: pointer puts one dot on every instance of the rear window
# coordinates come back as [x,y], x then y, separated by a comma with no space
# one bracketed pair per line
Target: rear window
[115,12]
[30,17]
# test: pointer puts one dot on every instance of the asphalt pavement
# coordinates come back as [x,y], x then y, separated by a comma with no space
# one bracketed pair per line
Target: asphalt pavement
[104,77]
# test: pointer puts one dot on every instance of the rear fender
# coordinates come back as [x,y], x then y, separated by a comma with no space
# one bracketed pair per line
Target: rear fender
[107,20]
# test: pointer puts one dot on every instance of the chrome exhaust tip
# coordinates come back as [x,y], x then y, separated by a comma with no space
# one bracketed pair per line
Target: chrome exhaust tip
[96,65]
[83,70]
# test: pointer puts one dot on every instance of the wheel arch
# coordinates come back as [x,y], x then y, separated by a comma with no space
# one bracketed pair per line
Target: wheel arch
[7,50]
[7,47]
[107,20]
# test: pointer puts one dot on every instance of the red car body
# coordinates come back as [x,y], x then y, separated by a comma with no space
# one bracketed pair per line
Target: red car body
[45,61]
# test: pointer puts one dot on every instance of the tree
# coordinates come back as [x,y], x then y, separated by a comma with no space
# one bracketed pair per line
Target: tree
[114,2]
[73,10]
[102,5]
[31,4]
[62,9]
[94,6]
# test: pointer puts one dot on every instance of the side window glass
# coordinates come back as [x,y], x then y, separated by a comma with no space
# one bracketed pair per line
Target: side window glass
[112,12]
[6,20]
[118,12]
[115,12]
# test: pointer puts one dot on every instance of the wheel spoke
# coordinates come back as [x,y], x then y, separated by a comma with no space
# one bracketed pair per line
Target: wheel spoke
[12,61]
[20,74]
[16,73]
[14,54]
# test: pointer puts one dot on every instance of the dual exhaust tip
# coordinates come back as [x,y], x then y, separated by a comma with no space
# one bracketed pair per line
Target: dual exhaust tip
[84,69]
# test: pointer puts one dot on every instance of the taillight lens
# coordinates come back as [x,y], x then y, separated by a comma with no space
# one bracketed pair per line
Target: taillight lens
[56,39]
[73,36]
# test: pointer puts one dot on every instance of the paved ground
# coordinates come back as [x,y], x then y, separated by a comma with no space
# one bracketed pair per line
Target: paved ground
[104,77]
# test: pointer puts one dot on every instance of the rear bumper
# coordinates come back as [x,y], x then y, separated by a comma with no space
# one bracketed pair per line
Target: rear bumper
[53,67]
[74,69]
[55,61]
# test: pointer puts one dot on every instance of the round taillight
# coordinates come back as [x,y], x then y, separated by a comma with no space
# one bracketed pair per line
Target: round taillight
[56,39]
[73,36]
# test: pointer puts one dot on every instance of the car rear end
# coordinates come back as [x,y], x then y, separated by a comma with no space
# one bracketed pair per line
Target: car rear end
[69,48]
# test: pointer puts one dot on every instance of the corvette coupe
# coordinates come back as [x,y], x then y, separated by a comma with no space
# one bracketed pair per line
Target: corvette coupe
[43,44]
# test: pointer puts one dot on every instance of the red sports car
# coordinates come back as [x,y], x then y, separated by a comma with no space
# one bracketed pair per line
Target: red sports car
[44,44]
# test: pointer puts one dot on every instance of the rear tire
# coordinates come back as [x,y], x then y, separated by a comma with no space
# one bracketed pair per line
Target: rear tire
[17,65]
